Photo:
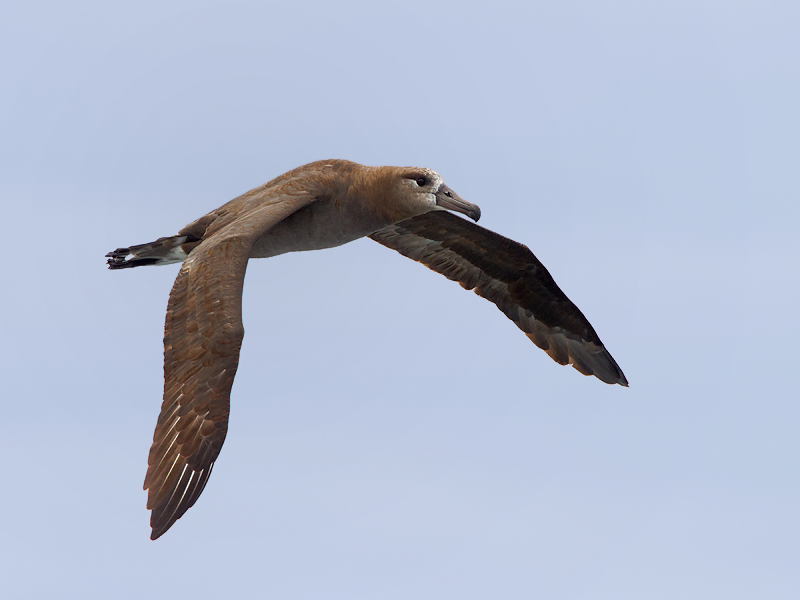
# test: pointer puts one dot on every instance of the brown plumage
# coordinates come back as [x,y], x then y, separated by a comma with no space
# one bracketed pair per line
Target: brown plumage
[321,205]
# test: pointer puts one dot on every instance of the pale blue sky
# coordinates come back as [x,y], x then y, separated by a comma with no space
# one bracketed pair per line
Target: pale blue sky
[393,436]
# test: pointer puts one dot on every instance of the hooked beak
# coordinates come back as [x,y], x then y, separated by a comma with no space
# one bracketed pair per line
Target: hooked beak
[447,198]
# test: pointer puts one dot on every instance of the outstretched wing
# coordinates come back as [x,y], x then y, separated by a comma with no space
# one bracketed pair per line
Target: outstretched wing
[508,274]
[202,338]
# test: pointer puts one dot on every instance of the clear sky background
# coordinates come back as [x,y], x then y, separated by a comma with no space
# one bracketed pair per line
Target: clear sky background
[393,436]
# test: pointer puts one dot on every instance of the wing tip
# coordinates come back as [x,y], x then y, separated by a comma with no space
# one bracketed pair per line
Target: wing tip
[618,381]
[610,378]
[183,496]
[607,370]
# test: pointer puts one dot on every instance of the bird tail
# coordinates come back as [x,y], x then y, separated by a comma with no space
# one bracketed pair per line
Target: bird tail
[163,251]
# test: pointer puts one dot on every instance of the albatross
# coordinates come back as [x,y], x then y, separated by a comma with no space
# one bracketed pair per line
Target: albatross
[322,205]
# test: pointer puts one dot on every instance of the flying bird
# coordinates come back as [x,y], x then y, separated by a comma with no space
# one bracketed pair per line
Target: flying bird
[322,205]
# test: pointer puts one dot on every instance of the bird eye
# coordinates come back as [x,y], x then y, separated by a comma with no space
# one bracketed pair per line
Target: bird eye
[421,181]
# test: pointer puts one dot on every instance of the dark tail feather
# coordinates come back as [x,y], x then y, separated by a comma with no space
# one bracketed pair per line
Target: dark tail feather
[163,251]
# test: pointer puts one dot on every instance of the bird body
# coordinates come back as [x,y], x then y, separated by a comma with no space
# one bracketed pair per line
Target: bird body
[322,205]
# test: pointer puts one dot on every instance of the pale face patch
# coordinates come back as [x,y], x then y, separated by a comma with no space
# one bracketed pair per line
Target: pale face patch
[425,192]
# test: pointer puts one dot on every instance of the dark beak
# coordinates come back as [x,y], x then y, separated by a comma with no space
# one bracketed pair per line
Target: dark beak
[447,198]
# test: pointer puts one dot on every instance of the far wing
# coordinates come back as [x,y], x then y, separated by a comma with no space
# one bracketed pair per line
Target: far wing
[508,274]
[202,338]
